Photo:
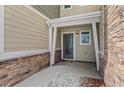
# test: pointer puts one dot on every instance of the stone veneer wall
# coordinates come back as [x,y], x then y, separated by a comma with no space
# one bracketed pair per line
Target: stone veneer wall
[58,56]
[15,70]
[102,30]
[112,62]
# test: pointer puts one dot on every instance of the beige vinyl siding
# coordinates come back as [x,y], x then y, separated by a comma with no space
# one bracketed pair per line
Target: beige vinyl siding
[77,9]
[24,30]
[68,12]
[83,52]
[51,11]
[86,9]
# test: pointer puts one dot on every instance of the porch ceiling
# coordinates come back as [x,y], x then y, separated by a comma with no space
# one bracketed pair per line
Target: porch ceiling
[86,18]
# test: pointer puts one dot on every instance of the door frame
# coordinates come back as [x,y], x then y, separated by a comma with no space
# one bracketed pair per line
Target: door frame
[62,33]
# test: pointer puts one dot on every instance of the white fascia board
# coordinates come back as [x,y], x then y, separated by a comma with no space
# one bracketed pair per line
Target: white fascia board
[36,11]
[75,17]
[76,22]
[1,28]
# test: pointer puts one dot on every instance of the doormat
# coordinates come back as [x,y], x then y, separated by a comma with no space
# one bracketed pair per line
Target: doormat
[92,82]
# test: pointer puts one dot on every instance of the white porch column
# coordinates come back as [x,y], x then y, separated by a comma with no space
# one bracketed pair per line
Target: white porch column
[50,42]
[54,46]
[96,44]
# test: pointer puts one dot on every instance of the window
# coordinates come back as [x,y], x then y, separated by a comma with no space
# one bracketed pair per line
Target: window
[85,38]
[67,7]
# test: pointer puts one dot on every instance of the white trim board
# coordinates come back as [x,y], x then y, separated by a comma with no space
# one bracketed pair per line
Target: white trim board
[74,55]
[13,55]
[36,11]
[75,17]
[76,22]
[1,28]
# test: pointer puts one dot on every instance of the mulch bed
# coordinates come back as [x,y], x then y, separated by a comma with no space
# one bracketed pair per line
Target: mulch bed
[92,82]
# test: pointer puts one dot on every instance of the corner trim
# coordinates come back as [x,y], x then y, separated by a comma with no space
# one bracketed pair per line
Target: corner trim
[36,11]
[2,28]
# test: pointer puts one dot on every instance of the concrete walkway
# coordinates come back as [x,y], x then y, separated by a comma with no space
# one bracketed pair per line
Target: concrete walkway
[64,74]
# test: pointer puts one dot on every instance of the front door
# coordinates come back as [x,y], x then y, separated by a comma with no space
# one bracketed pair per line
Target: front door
[68,46]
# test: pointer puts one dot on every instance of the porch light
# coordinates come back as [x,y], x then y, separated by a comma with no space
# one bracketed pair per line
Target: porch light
[77,34]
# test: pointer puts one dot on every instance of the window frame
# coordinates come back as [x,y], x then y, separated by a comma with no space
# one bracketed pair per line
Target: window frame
[89,37]
[66,8]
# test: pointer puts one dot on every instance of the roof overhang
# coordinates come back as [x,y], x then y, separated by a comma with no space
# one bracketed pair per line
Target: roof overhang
[80,19]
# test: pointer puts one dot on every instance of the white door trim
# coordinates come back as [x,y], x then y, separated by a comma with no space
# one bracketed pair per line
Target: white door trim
[73,45]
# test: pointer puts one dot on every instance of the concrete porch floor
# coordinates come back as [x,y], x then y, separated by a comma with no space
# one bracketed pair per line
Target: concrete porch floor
[64,74]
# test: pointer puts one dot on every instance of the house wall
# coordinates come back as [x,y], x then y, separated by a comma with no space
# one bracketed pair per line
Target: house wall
[111,63]
[26,45]
[101,31]
[77,9]
[16,70]
[51,11]
[83,52]
[24,30]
